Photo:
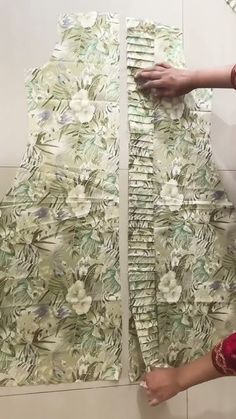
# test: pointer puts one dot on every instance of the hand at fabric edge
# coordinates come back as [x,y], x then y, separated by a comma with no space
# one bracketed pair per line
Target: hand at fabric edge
[163,80]
[164,383]
[161,385]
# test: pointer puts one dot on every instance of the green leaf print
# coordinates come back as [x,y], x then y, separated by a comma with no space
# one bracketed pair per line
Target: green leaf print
[59,257]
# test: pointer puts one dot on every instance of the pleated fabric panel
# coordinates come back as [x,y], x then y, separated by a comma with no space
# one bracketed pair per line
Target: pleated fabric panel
[181,253]
[141,257]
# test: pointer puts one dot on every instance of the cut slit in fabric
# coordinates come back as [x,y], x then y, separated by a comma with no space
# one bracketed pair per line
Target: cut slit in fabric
[59,257]
[181,267]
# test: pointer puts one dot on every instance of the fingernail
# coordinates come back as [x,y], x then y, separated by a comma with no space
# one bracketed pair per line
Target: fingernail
[143,385]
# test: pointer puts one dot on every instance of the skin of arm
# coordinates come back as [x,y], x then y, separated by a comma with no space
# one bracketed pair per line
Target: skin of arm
[163,80]
[165,383]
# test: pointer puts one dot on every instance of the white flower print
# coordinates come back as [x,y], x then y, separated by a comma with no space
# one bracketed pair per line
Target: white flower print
[49,74]
[77,201]
[174,295]
[176,167]
[85,170]
[77,297]
[169,288]
[83,306]
[82,107]
[85,78]
[76,293]
[26,326]
[67,21]
[132,23]
[171,196]
[83,209]
[53,231]
[174,108]
[87,20]
[17,374]
[167,282]
[83,266]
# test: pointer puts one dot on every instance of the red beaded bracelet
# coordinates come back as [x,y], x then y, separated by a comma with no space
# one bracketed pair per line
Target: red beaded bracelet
[233,77]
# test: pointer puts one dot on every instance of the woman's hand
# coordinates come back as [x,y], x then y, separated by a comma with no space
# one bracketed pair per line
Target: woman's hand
[162,384]
[163,80]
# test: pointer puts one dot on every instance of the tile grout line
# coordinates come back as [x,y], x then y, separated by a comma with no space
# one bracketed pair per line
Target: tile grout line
[67,390]
[187,405]
[9,167]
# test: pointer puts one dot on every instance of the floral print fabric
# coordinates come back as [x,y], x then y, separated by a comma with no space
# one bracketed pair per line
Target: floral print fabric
[182,253]
[232,4]
[60,315]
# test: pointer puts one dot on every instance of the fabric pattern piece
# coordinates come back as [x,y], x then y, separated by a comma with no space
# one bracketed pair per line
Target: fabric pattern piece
[232,4]
[182,264]
[59,257]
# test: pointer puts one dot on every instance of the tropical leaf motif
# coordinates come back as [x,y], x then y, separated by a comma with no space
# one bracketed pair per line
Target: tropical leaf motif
[182,228]
[59,258]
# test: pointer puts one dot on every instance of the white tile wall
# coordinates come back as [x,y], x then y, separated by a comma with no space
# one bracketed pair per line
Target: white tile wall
[209,40]
[210,30]
[27,35]
[224,143]
[214,400]
[111,403]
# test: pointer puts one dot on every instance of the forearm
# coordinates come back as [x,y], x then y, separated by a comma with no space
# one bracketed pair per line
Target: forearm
[221,361]
[197,372]
[163,383]
[212,78]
